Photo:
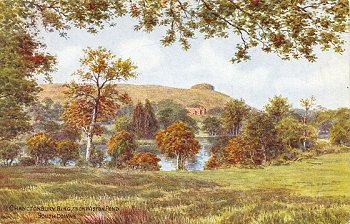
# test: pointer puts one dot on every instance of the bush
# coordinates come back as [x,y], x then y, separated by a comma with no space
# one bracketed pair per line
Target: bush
[212,163]
[26,161]
[121,146]
[145,161]
[8,152]
[96,157]
[41,147]
[67,150]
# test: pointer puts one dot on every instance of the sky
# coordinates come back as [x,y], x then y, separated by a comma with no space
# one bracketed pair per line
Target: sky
[208,61]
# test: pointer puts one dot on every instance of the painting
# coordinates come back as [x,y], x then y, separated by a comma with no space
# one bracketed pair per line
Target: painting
[174,112]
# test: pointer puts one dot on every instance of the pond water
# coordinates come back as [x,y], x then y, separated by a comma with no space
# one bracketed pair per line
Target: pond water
[197,163]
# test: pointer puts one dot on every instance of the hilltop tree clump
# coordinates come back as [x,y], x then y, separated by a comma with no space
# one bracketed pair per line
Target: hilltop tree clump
[203,86]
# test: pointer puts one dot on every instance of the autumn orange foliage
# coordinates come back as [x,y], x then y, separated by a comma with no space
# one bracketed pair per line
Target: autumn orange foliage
[145,161]
[178,141]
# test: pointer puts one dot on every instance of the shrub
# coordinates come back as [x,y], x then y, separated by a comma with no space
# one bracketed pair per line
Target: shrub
[67,150]
[121,146]
[8,152]
[41,147]
[26,161]
[96,157]
[212,163]
[145,161]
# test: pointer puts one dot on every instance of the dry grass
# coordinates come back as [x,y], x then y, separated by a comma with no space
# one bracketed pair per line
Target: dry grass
[185,97]
[298,193]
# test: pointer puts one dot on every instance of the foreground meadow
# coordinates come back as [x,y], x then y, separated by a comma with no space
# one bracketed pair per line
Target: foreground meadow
[310,191]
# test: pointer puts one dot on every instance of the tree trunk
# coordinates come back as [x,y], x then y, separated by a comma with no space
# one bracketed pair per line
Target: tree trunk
[177,161]
[88,147]
[89,135]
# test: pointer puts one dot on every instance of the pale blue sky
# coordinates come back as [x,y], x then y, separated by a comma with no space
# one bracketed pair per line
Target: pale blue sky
[208,61]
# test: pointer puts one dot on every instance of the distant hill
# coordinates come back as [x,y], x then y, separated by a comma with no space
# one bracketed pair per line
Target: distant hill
[206,97]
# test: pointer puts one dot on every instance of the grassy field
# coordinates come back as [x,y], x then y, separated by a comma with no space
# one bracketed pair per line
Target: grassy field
[310,191]
[186,97]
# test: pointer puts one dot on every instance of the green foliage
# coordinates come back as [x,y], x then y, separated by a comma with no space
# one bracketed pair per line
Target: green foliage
[96,158]
[290,132]
[234,113]
[9,151]
[170,112]
[278,108]
[46,116]
[121,146]
[340,133]
[41,147]
[289,29]
[22,58]
[67,150]
[123,123]
[310,191]
[260,133]
[212,126]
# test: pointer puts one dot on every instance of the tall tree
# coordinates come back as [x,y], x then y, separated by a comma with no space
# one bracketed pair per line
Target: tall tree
[178,141]
[307,104]
[138,119]
[278,108]
[234,113]
[22,58]
[98,98]
[150,120]
[260,133]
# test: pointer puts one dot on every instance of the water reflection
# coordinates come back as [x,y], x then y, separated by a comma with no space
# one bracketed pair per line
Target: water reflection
[197,163]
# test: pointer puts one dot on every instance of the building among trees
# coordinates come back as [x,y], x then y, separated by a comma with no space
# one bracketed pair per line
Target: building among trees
[196,110]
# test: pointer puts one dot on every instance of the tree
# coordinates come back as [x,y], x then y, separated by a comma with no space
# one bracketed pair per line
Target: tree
[22,58]
[278,108]
[290,131]
[138,120]
[289,29]
[212,125]
[123,123]
[307,104]
[234,113]
[98,99]
[121,146]
[260,133]
[46,116]
[178,141]
[170,112]
[41,147]
[238,151]
[9,151]
[150,120]
[340,133]
[67,150]
[145,161]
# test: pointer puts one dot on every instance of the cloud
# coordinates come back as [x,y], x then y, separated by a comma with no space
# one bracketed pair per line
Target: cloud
[68,62]
[146,53]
